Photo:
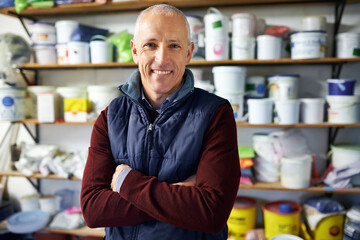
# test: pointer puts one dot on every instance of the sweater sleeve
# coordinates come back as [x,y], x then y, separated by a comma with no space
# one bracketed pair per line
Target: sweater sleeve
[206,206]
[101,206]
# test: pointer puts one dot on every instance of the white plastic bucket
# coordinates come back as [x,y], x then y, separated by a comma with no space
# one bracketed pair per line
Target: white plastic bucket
[243,24]
[348,45]
[268,47]
[343,109]
[237,104]
[101,96]
[255,86]
[78,52]
[266,171]
[296,172]
[45,54]
[42,33]
[12,104]
[308,44]
[72,92]
[75,103]
[216,49]
[100,50]
[312,110]
[62,53]
[344,154]
[216,24]
[287,111]
[260,110]
[283,86]
[229,79]
[243,48]
[64,30]
[313,23]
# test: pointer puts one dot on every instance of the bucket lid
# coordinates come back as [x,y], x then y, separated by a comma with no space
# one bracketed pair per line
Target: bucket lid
[348,35]
[298,160]
[41,89]
[340,80]
[42,23]
[267,36]
[313,100]
[12,89]
[70,89]
[260,100]
[243,15]
[65,22]
[226,69]
[274,207]
[244,202]
[354,213]
[27,222]
[286,237]
[284,75]
[309,31]
[346,147]
[343,98]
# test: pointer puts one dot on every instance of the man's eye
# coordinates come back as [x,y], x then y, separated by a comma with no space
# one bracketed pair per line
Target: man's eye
[174,46]
[151,45]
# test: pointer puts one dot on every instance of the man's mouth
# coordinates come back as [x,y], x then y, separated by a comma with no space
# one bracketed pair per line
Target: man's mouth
[161,72]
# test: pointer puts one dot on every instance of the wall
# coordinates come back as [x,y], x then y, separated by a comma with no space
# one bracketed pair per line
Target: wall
[312,83]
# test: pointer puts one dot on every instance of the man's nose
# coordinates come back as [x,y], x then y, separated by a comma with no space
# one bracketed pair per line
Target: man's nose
[162,55]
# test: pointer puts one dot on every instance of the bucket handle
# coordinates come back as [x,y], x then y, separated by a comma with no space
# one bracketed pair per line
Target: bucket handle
[214,10]
[98,37]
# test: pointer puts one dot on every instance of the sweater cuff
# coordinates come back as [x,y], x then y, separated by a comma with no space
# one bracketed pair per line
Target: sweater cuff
[120,178]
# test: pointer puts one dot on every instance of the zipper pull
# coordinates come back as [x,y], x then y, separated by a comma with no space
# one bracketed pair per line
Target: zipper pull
[150,135]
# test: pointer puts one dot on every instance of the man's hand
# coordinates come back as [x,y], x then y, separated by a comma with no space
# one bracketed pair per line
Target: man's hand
[190,182]
[116,174]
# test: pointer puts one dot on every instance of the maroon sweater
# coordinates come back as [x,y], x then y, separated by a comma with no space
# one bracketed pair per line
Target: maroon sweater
[204,207]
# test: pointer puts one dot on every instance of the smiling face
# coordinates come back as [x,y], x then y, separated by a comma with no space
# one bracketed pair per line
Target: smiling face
[161,52]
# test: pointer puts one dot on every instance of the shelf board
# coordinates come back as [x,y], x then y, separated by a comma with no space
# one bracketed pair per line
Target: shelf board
[84,231]
[14,173]
[35,121]
[127,6]
[277,186]
[282,61]
[246,124]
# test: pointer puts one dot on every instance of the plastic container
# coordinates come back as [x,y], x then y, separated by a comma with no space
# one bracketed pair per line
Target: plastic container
[100,96]
[216,48]
[64,30]
[27,222]
[12,103]
[75,103]
[286,237]
[313,23]
[216,24]
[78,52]
[101,51]
[62,53]
[243,24]
[344,154]
[30,202]
[348,45]
[312,110]
[45,54]
[296,172]
[341,86]
[42,33]
[229,79]
[255,86]
[33,92]
[260,110]
[308,44]
[281,217]
[343,109]
[242,217]
[352,223]
[237,104]
[287,111]
[268,47]
[243,48]
[283,86]
[266,170]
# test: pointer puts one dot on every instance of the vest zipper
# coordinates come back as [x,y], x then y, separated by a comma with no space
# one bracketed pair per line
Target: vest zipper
[150,135]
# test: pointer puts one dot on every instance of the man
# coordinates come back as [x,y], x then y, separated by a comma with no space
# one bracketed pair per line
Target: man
[163,160]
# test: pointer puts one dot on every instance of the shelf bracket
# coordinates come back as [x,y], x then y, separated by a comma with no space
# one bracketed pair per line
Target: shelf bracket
[339,10]
[332,135]
[21,19]
[336,70]
[36,186]
[36,136]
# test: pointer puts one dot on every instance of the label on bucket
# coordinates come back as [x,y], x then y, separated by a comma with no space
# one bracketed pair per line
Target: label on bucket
[11,108]
[217,24]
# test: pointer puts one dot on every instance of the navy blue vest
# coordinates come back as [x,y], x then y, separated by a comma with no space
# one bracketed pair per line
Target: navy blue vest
[169,149]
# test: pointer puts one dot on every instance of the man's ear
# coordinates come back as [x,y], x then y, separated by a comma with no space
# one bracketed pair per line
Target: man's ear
[134,51]
[189,52]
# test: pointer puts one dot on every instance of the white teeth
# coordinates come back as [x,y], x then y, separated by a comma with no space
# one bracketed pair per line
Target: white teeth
[161,72]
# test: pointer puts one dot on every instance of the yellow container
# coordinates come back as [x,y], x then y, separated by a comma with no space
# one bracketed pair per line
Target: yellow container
[242,217]
[281,217]
[330,228]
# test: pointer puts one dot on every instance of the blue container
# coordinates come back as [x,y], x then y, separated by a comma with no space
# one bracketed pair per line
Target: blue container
[341,86]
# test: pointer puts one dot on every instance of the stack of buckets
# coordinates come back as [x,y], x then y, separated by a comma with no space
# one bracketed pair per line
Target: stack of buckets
[243,32]
[229,83]
[343,105]
[216,35]
[44,39]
